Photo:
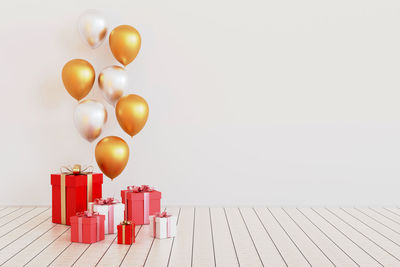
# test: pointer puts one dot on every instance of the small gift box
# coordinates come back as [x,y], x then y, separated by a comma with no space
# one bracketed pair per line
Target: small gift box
[72,190]
[140,203]
[164,225]
[87,227]
[113,210]
[126,233]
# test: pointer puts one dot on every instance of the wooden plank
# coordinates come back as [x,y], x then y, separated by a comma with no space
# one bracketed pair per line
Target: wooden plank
[203,244]
[51,252]
[343,242]
[388,254]
[382,219]
[70,254]
[24,240]
[225,254]
[115,255]
[267,249]
[10,217]
[311,252]
[181,254]
[35,247]
[390,214]
[8,210]
[332,251]
[95,251]
[290,253]
[368,246]
[161,249]
[17,231]
[395,211]
[245,249]
[375,224]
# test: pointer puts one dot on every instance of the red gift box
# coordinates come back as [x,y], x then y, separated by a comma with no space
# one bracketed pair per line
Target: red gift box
[140,204]
[87,228]
[126,233]
[71,194]
[154,198]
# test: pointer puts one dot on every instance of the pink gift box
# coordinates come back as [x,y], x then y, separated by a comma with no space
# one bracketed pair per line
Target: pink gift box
[87,229]
[139,205]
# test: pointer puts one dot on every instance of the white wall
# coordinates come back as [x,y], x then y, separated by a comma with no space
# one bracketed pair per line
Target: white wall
[251,102]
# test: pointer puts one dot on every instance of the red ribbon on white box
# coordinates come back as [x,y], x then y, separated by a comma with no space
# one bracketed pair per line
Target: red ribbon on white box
[109,202]
[162,215]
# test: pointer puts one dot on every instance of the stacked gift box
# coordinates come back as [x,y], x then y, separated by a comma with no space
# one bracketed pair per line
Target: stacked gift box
[77,201]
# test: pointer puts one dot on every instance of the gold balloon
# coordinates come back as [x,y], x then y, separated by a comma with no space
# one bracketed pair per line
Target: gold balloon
[112,154]
[78,77]
[132,112]
[125,43]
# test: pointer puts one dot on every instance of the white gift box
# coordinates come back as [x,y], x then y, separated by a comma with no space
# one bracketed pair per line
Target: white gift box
[114,215]
[164,227]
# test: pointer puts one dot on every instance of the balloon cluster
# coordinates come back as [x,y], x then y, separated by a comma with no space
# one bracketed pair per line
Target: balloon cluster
[131,110]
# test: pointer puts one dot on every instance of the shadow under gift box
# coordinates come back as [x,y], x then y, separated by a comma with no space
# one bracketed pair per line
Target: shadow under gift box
[71,194]
[135,205]
[87,229]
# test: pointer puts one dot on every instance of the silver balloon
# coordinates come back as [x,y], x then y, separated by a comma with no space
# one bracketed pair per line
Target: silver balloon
[89,118]
[92,27]
[113,81]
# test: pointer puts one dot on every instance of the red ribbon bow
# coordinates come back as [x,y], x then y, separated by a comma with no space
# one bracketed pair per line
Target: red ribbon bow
[106,201]
[162,215]
[87,214]
[139,189]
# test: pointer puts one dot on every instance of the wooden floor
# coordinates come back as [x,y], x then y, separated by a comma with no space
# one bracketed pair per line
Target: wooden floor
[258,236]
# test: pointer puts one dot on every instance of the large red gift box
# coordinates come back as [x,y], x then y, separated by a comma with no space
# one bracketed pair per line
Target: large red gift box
[87,228]
[71,194]
[126,233]
[140,205]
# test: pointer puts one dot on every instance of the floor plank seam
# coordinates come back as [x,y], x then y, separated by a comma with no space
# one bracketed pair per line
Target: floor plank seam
[289,236]
[367,237]
[252,240]
[17,217]
[384,236]
[28,232]
[130,246]
[347,237]
[46,246]
[59,254]
[212,237]
[308,237]
[270,237]
[233,242]
[173,239]
[385,216]
[28,220]
[376,220]
[10,212]
[106,250]
[328,237]
[194,223]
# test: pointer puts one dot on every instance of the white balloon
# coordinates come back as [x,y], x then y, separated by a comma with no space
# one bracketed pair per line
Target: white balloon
[92,27]
[113,81]
[89,118]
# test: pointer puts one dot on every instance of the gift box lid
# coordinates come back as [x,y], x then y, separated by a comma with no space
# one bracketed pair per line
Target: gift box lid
[119,226]
[88,220]
[76,180]
[140,195]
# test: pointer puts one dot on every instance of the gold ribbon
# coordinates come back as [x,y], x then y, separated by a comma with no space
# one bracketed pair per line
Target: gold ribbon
[76,170]
[63,200]
[89,189]
[123,234]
